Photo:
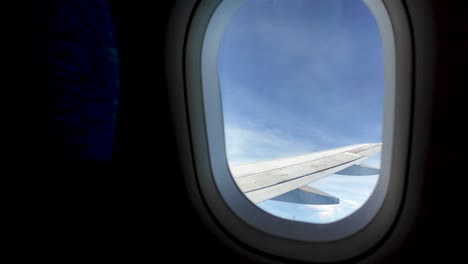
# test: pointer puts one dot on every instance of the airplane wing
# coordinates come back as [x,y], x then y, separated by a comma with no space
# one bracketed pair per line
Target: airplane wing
[286,179]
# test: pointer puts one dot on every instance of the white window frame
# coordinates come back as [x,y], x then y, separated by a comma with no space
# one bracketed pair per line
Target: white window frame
[193,71]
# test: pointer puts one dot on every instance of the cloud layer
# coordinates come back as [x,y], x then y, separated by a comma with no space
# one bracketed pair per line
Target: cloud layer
[352,191]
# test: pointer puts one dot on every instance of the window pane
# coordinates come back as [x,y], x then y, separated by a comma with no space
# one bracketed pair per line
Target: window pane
[300,77]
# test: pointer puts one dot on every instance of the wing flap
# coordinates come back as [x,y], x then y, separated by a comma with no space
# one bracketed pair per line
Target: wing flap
[307,195]
[360,170]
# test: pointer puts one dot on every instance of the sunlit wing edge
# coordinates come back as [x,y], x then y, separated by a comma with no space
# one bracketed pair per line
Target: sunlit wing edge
[271,180]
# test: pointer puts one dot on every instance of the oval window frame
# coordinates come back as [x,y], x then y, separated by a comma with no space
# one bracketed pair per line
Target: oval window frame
[228,207]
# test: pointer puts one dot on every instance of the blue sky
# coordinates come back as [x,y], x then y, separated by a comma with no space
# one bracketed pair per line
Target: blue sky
[300,76]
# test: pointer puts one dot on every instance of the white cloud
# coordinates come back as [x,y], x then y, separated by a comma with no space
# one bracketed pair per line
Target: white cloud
[246,144]
[331,213]
[310,213]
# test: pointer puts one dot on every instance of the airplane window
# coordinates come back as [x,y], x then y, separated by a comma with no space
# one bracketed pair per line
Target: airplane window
[295,121]
[302,97]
